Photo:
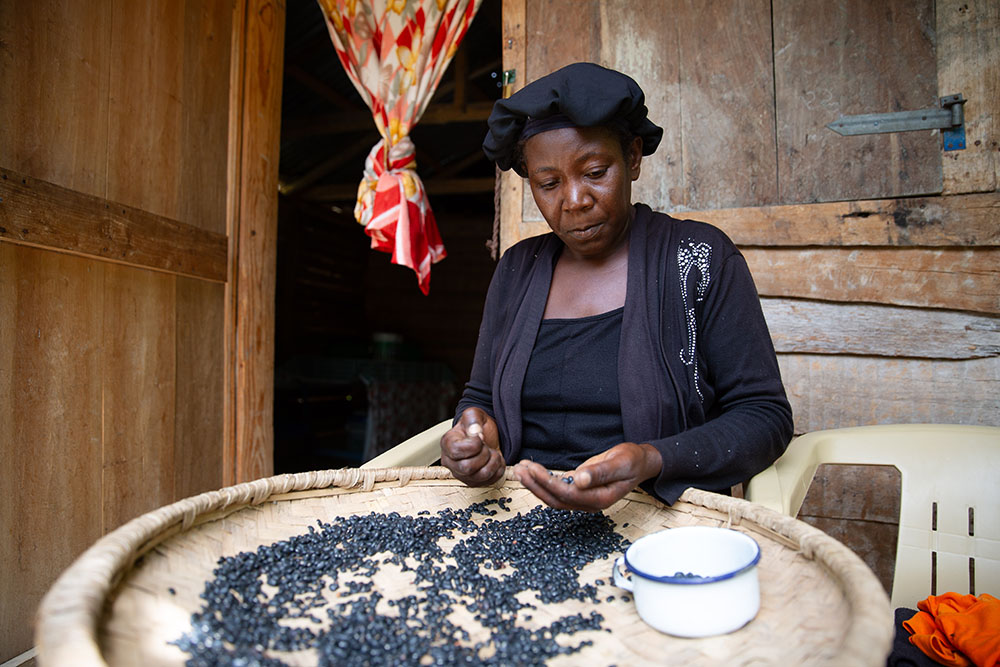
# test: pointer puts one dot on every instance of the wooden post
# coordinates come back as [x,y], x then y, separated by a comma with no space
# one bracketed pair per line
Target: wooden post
[511,185]
[255,126]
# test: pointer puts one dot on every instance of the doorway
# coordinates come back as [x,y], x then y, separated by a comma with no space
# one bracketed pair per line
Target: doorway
[363,359]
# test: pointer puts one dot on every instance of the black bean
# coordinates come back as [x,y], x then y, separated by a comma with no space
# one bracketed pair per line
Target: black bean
[541,551]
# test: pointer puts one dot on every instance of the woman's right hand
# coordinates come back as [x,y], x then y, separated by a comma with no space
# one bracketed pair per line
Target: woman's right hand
[471,449]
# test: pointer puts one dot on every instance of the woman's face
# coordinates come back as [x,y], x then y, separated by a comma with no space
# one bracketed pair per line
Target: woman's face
[583,186]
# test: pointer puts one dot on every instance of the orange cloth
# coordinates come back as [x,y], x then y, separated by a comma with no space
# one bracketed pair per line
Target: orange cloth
[958,630]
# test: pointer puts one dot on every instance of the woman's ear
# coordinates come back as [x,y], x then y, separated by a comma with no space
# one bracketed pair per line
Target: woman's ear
[634,158]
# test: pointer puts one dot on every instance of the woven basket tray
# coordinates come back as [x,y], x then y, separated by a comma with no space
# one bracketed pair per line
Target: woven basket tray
[819,603]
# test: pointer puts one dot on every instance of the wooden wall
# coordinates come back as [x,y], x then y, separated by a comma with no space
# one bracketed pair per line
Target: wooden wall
[122,185]
[876,257]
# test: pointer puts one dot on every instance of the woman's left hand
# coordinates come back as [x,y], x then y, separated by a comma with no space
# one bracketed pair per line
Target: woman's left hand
[598,483]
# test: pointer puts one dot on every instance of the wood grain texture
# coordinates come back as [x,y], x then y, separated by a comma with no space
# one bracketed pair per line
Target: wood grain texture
[139,392]
[706,71]
[55,65]
[204,121]
[560,32]
[256,235]
[817,327]
[147,66]
[45,215]
[968,60]
[106,103]
[557,33]
[726,103]
[640,38]
[198,428]
[852,57]
[839,391]
[947,278]
[514,52]
[234,160]
[51,349]
[961,220]
[859,506]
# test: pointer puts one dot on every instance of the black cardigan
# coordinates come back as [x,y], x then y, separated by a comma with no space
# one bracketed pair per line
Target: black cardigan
[697,372]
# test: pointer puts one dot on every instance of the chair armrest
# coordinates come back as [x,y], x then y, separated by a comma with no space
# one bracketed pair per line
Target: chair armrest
[765,489]
[422,449]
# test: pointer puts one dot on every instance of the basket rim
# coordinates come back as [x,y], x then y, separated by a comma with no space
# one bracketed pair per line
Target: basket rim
[68,616]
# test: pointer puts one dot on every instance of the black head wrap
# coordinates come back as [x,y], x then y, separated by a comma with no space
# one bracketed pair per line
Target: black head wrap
[578,95]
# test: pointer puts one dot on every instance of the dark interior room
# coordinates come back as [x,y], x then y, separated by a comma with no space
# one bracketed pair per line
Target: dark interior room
[363,360]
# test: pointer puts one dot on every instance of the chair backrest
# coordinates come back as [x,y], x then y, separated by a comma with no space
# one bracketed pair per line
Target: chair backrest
[422,449]
[949,521]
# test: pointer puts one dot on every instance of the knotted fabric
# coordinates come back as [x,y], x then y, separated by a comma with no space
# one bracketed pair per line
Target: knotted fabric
[395,53]
[393,207]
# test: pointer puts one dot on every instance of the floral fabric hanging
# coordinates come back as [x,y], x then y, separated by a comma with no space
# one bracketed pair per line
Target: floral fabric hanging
[395,52]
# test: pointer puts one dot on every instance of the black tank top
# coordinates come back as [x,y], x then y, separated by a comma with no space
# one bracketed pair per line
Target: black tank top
[570,403]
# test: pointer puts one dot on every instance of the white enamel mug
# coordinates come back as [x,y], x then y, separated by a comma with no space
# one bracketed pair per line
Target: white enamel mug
[693,581]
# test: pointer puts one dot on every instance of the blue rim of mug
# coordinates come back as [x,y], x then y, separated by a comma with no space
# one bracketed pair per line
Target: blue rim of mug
[671,579]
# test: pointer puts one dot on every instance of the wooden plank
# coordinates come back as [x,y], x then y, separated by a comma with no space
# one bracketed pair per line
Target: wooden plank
[358,121]
[41,214]
[255,232]
[234,158]
[324,168]
[348,192]
[835,391]
[727,103]
[204,118]
[139,385]
[961,220]
[947,278]
[853,57]
[560,32]
[859,506]
[817,327]
[145,116]
[51,346]
[55,67]
[630,32]
[968,61]
[557,33]
[511,195]
[198,427]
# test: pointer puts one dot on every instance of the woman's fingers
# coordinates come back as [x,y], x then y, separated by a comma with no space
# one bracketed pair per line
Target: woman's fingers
[489,472]
[537,479]
[469,459]
[460,447]
[624,463]
[561,490]
[597,484]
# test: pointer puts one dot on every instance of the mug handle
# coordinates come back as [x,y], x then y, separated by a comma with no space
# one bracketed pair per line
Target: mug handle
[621,580]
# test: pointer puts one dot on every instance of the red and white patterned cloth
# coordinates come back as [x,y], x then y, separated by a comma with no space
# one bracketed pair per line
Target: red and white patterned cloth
[395,52]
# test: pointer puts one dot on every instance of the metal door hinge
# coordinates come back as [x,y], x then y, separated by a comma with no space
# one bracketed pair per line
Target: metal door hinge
[949,118]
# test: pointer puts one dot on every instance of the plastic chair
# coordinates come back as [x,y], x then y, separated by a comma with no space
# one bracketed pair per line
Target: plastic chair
[422,449]
[949,518]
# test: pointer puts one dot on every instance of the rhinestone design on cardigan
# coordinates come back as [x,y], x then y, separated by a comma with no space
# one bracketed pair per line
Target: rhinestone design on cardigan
[691,255]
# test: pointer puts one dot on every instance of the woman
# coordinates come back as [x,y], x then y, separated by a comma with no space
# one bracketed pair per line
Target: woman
[626,347]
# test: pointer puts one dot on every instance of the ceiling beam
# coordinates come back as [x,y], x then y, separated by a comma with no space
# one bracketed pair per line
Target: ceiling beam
[434,187]
[439,114]
[287,187]
[321,88]
[453,168]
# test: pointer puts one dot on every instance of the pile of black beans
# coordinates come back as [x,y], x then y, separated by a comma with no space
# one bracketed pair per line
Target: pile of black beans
[253,596]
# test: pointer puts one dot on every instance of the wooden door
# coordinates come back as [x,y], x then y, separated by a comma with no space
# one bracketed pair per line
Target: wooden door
[875,256]
[137,193]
